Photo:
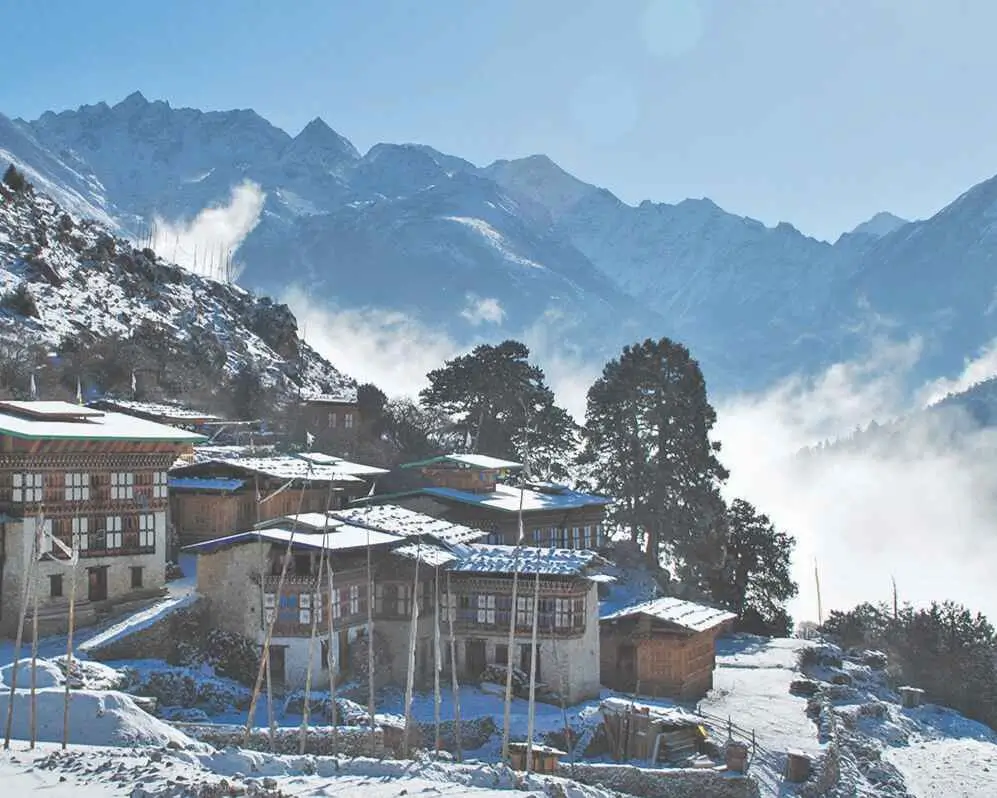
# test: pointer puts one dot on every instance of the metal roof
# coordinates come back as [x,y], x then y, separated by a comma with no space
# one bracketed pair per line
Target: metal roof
[65,421]
[483,559]
[684,614]
[162,410]
[402,521]
[343,538]
[277,466]
[346,466]
[506,499]
[204,483]
[481,461]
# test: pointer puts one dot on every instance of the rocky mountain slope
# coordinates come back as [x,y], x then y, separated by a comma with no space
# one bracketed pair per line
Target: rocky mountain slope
[405,227]
[77,302]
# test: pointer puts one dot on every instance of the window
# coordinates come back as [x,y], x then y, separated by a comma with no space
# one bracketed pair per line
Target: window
[599,532]
[524,611]
[122,486]
[538,536]
[159,485]
[348,421]
[404,603]
[113,534]
[576,537]
[55,586]
[578,617]
[28,487]
[587,536]
[137,576]
[332,421]
[563,613]
[354,599]
[147,531]
[486,610]
[77,487]
[501,654]
[81,533]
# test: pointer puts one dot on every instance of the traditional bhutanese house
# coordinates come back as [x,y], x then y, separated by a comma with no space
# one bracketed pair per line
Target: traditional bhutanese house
[331,419]
[568,622]
[465,488]
[173,415]
[240,574]
[664,647]
[97,481]
[213,497]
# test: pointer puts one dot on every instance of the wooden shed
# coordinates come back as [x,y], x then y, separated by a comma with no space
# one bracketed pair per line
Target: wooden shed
[664,647]
[544,758]
[650,734]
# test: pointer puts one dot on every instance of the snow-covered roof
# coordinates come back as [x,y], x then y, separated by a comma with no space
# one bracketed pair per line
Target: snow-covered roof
[685,614]
[347,397]
[346,466]
[278,467]
[217,451]
[481,461]
[506,498]
[343,538]
[402,521]
[667,715]
[204,483]
[62,420]
[433,556]
[484,559]
[161,410]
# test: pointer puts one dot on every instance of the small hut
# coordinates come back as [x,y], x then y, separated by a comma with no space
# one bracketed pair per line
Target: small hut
[664,647]
[545,758]
[651,734]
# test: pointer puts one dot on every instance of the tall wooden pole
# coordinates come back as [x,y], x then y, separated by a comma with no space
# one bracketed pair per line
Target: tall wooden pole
[507,719]
[315,604]
[22,617]
[820,608]
[34,655]
[69,655]
[371,714]
[437,661]
[532,706]
[455,686]
[413,636]
[265,658]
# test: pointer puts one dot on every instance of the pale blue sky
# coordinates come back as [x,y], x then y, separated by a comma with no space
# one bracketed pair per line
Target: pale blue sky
[815,112]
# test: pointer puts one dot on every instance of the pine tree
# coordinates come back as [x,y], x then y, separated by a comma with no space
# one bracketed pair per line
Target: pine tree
[14,180]
[754,578]
[647,444]
[502,404]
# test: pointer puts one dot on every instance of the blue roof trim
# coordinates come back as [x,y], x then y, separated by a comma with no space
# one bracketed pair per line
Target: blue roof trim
[205,483]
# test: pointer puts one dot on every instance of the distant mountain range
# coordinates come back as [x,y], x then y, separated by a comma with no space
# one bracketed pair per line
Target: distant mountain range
[405,227]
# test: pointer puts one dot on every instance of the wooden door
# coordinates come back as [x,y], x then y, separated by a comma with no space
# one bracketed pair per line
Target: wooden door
[626,667]
[343,662]
[474,658]
[525,657]
[277,667]
[97,587]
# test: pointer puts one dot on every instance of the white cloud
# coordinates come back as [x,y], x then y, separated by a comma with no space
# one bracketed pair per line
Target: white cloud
[977,369]
[482,310]
[384,347]
[910,509]
[208,242]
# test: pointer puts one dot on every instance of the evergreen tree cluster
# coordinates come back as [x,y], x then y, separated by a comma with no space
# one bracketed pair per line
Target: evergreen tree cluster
[945,649]
[646,442]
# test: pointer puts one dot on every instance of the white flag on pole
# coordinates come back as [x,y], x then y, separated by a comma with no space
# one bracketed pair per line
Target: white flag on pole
[34,387]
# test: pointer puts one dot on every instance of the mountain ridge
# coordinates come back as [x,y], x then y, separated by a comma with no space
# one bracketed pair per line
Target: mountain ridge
[755,303]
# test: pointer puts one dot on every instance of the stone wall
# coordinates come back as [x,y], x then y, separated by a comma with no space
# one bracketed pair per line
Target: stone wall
[650,783]
[158,640]
[319,741]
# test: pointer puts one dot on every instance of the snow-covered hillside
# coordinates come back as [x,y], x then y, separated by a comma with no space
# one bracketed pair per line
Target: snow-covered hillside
[70,287]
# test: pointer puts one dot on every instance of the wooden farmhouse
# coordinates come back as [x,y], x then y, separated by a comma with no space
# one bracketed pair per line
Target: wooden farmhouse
[96,481]
[466,488]
[211,498]
[664,647]
[332,420]
[413,558]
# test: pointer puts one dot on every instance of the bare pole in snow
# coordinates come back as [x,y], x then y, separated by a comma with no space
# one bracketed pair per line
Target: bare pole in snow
[820,609]
[69,654]
[370,650]
[315,604]
[410,676]
[332,663]
[437,661]
[896,604]
[34,634]
[22,617]
[532,706]
[451,611]
[265,658]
